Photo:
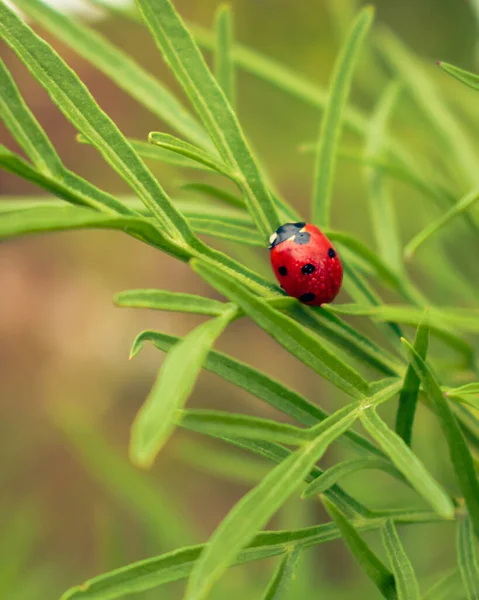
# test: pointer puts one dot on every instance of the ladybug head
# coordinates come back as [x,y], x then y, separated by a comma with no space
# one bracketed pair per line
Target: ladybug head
[285,232]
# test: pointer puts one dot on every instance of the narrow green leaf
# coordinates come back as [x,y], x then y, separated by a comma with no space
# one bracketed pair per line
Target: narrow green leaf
[343,335]
[215,192]
[460,454]
[470,79]
[410,390]
[154,422]
[467,558]
[377,572]
[171,301]
[292,336]
[152,572]
[380,204]
[258,384]
[77,104]
[217,423]
[407,587]
[148,151]
[284,576]
[343,469]
[226,230]
[408,464]
[470,388]
[25,128]
[224,66]
[331,123]
[427,96]
[69,186]
[48,218]
[464,204]
[188,65]
[255,508]
[118,66]
[174,144]
[442,322]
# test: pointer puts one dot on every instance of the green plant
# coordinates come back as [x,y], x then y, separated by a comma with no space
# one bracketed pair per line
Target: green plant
[369,370]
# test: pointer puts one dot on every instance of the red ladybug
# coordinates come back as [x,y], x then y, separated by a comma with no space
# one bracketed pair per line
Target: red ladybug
[305,263]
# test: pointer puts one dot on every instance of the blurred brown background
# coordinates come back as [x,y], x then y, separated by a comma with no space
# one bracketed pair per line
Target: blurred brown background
[68,394]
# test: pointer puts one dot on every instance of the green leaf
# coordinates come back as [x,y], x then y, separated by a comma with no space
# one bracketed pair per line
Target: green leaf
[48,218]
[255,508]
[215,192]
[284,576]
[258,384]
[467,558]
[470,79]
[79,107]
[174,144]
[377,572]
[292,336]
[343,469]
[407,587]
[380,204]
[470,388]
[408,464]
[427,96]
[224,229]
[25,128]
[152,572]
[224,66]
[171,301]
[154,422]
[464,204]
[69,186]
[188,65]
[331,123]
[118,66]
[217,423]
[441,321]
[459,452]
[343,335]
[148,151]
[410,390]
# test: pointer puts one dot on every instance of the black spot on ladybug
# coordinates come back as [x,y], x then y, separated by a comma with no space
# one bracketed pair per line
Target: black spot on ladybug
[302,238]
[308,297]
[308,269]
[331,253]
[283,271]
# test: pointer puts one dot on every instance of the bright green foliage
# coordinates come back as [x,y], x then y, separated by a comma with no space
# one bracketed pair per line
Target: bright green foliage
[361,367]
[407,587]
[332,120]
[374,568]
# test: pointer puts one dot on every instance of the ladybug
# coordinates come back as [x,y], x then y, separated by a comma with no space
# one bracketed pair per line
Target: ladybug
[305,263]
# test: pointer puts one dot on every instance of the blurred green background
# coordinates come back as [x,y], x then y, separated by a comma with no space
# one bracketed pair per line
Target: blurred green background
[71,506]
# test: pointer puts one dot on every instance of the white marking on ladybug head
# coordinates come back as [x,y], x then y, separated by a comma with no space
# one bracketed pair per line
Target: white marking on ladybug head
[301,230]
[291,238]
[273,238]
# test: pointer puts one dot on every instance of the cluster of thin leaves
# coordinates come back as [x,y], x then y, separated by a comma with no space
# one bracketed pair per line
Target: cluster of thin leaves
[213,141]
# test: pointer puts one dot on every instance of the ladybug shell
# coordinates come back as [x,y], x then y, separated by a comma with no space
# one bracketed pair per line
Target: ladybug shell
[306,264]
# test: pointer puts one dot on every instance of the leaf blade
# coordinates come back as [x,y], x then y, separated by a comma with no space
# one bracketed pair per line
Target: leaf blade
[154,422]
[467,557]
[408,464]
[284,576]
[332,119]
[224,65]
[407,586]
[374,568]
[459,452]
